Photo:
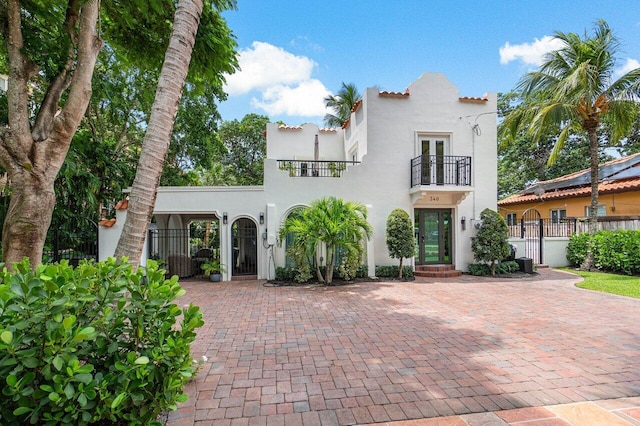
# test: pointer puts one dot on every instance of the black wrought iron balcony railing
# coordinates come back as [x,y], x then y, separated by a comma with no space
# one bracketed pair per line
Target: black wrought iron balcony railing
[311,168]
[441,170]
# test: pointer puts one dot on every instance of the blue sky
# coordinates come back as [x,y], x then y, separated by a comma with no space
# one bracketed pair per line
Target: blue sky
[293,53]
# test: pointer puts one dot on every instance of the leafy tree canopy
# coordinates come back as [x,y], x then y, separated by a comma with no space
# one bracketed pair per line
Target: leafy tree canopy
[246,147]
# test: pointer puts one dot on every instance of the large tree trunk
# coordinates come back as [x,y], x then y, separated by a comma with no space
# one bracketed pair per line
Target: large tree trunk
[33,155]
[156,140]
[587,264]
[28,217]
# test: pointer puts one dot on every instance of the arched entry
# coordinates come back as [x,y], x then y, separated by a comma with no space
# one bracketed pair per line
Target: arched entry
[531,232]
[245,247]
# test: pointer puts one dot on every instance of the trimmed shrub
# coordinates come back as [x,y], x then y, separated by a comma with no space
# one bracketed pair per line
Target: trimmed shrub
[384,271]
[479,269]
[98,344]
[285,273]
[483,269]
[508,267]
[577,248]
[614,251]
[491,244]
[400,238]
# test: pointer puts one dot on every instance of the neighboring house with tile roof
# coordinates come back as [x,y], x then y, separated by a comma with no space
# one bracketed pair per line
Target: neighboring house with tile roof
[426,150]
[569,196]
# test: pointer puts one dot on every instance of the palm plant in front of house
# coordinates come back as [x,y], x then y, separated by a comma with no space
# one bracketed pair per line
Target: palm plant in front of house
[576,89]
[325,227]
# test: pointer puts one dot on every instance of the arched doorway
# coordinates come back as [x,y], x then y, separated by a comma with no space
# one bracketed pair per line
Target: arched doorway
[531,232]
[245,247]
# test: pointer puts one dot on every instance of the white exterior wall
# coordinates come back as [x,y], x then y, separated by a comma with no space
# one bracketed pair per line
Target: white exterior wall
[555,251]
[385,131]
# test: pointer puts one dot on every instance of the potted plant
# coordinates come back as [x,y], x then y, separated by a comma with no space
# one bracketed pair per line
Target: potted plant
[214,269]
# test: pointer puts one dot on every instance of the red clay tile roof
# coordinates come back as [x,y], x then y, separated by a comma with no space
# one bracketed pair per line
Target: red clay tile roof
[107,223]
[356,106]
[485,98]
[606,187]
[122,205]
[387,94]
[285,127]
[327,130]
[615,177]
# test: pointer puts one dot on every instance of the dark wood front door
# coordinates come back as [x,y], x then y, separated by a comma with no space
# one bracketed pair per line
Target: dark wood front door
[433,236]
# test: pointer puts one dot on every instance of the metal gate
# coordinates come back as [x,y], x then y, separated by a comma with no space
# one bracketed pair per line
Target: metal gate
[532,231]
[74,240]
[245,249]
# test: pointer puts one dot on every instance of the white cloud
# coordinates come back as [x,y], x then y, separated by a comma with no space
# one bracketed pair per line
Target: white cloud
[304,99]
[529,53]
[282,79]
[629,65]
[264,65]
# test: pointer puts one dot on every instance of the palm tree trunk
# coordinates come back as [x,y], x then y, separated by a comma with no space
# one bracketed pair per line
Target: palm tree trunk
[156,140]
[587,264]
[318,272]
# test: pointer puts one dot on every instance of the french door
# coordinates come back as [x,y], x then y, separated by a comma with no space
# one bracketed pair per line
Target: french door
[433,236]
[433,153]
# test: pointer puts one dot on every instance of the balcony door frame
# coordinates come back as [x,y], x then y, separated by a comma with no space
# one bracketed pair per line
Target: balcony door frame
[433,146]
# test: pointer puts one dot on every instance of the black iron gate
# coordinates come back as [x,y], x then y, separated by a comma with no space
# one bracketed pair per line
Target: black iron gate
[245,249]
[73,240]
[532,232]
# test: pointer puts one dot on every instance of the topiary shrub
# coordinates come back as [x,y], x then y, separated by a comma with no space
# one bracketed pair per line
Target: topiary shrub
[491,244]
[400,237]
[98,344]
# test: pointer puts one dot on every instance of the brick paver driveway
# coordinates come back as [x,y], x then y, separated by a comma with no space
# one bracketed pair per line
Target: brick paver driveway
[376,352]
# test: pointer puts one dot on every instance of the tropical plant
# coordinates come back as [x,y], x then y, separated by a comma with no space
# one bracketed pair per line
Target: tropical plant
[576,90]
[98,344]
[331,224]
[400,238]
[491,244]
[212,266]
[341,104]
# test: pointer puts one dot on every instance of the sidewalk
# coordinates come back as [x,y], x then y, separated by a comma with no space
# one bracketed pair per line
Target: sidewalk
[612,412]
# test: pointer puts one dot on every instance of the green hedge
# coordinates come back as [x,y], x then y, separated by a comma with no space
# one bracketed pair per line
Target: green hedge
[483,269]
[289,274]
[614,251]
[393,271]
[98,344]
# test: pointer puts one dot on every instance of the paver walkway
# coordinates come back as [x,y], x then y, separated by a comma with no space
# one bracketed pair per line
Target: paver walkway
[382,352]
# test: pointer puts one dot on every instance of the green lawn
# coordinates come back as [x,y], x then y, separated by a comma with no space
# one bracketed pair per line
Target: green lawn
[623,285]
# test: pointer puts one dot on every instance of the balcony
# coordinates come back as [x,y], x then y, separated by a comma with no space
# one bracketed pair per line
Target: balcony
[441,170]
[311,168]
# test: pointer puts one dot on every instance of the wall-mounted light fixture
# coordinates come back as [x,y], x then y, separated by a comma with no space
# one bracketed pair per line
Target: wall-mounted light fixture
[225,218]
[463,222]
[261,218]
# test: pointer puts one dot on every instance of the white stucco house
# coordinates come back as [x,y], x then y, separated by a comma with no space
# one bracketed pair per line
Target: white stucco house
[426,150]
